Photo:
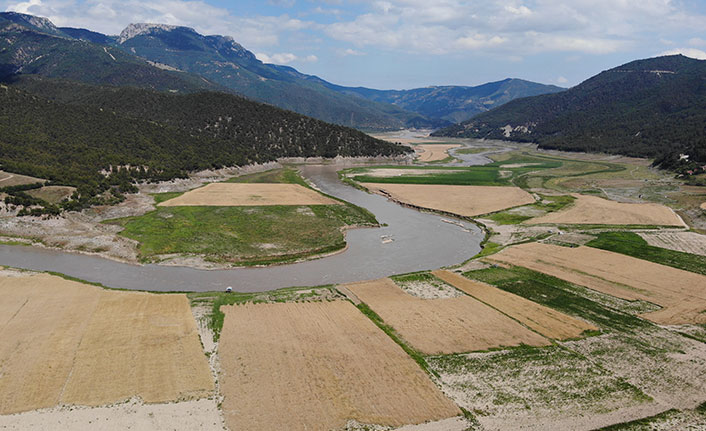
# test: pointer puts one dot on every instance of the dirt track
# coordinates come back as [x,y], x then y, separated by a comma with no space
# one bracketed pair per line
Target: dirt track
[544,320]
[63,342]
[681,293]
[442,326]
[313,366]
[249,194]
[434,152]
[461,200]
[595,210]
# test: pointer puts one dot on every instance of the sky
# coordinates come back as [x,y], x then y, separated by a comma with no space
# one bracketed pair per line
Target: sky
[402,44]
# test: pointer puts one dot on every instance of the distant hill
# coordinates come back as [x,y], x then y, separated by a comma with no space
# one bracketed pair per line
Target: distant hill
[453,103]
[69,133]
[31,45]
[650,108]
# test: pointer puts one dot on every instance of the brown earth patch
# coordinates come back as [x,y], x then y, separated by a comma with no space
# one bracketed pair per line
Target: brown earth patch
[688,242]
[442,326]
[52,194]
[63,342]
[595,210]
[546,321]
[249,194]
[680,293]
[434,152]
[461,200]
[316,365]
[8,180]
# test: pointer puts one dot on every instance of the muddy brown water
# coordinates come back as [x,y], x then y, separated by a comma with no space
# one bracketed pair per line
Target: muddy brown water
[420,241]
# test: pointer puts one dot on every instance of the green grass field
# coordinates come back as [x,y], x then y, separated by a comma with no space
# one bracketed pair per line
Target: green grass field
[252,235]
[632,244]
[547,204]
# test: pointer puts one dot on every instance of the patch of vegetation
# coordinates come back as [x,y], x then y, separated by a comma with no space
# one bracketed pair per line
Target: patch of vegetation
[163,197]
[547,204]
[390,331]
[632,244]
[563,296]
[488,249]
[290,294]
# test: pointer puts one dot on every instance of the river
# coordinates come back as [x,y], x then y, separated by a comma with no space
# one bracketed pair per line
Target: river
[410,241]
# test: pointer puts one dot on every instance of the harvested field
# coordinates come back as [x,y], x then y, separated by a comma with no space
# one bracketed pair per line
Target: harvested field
[595,210]
[688,242]
[546,321]
[461,200]
[681,293]
[391,172]
[64,342]
[434,152]
[249,194]
[52,194]
[443,326]
[316,365]
[8,180]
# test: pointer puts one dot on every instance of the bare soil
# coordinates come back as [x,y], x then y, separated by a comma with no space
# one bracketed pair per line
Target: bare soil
[8,179]
[688,242]
[466,201]
[443,326]
[434,152]
[52,194]
[546,321]
[249,194]
[317,365]
[594,210]
[681,293]
[67,343]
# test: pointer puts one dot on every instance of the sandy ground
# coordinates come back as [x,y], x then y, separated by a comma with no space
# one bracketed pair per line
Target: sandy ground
[434,152]
[442,326]
[249,194]
[316,365]
[681,293]
[461,200]
[546,321]
[7,179]
[429,289]
[703,206]
[63,343]
[133,415]
[688,242]
[595,210]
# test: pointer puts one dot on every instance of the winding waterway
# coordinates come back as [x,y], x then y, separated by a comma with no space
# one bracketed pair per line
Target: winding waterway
[410,241]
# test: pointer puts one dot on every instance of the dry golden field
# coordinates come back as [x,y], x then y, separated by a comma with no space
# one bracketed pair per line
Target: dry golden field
[434,152]
[249,194]
[442,326]
[52,194]
[595,210]
[7,179]
[316,365]
[682,294]
[63,342]
[546,321]
[461,200]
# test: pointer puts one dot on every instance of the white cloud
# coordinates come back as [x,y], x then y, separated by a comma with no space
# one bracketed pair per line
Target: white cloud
[697,41]
[687,52]
[285,58]
[561,80]
[351,52]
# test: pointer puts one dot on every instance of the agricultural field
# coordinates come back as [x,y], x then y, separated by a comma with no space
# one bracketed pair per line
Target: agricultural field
[8,179]
[679,292]
[466,201]
[546,321]
[254,232]
[52,194]
[594,210]
[249,194]
[433,152]
[67,343]
[687,242]
[317,365]
[445,325]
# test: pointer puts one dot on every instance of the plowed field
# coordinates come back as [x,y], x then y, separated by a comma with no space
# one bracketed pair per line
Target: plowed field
[249,194]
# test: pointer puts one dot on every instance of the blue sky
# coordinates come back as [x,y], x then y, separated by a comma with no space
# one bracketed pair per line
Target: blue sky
[416,43]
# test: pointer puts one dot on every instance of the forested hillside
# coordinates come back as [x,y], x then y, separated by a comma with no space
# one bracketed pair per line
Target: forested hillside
[86,130]
[649,108]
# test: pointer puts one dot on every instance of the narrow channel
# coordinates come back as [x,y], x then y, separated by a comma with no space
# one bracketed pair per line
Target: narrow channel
[410,241]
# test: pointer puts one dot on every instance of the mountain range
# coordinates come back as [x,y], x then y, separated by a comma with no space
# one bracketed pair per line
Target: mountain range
[178,59]
[648,108]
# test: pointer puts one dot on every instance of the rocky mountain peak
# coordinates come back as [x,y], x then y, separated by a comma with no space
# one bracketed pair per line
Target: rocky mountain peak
[137,29]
